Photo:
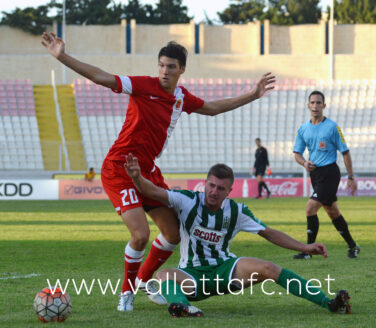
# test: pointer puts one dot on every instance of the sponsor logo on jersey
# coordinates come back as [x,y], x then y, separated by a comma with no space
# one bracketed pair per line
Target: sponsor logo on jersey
[322,144]
[153,97]
[340,134]
[207,235]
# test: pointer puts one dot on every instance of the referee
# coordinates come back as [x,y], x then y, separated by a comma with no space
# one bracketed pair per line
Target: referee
[261,162]
[323,138]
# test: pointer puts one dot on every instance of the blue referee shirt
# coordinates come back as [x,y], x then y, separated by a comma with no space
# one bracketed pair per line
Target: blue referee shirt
[322,140]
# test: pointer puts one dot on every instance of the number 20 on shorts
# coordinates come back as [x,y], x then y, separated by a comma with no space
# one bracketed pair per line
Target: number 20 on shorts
[129,196]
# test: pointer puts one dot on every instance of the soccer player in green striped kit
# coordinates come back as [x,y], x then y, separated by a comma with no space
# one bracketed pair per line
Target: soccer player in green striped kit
[208,222]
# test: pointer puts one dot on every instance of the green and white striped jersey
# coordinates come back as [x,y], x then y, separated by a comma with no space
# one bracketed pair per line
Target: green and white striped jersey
[206,236]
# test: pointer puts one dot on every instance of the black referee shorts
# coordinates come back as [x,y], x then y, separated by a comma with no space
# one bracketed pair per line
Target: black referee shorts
[325,181]
[260,170]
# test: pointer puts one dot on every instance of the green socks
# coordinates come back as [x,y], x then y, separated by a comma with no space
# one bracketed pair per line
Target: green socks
[173,293]
[287,279]
[296,285]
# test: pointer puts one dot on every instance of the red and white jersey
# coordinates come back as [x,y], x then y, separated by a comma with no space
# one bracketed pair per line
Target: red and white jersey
[150,119]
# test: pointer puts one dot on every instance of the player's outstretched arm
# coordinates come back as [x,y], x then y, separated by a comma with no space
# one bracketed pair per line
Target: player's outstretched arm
[144,186]
[224,105]
[56,47]
[281,239]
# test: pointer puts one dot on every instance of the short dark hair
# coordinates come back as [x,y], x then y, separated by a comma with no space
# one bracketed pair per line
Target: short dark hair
[222,171]
[319,93]
[258,139]
[176,51]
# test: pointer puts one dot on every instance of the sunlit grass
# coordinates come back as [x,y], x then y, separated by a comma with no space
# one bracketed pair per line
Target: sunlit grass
[85,240]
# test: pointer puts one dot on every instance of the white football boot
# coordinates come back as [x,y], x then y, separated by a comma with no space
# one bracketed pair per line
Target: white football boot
[126,301]
[151,291]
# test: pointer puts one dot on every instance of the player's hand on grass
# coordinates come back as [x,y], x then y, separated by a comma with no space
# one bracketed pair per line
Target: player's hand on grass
[53,44]
[351,186]
[265,84]
[131,166]
[316,249]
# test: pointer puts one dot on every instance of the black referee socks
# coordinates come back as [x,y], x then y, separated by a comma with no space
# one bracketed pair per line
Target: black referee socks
[312,228]
[343,229]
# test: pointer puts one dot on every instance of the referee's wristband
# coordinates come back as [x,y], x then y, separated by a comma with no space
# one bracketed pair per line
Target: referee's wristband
[350,177]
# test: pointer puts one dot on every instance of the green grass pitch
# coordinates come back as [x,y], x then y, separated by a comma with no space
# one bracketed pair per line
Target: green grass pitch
[86,239]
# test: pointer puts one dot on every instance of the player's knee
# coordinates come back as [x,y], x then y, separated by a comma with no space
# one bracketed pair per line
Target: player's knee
[334,215]
[269,270]
[162,275]
[333,212]
[170,233]
[140,239]
[311,209]
[173,237]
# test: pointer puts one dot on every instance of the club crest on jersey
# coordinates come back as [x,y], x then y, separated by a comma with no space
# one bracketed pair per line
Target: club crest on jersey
[226,222]
[178,104]
[207,235]
[322,144]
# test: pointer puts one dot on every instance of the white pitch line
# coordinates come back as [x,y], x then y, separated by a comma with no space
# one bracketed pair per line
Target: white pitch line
[16,277]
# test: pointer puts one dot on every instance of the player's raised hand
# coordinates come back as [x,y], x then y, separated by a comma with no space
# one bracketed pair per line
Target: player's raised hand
[265,84]
[316,249]
[53,44]
[131,166]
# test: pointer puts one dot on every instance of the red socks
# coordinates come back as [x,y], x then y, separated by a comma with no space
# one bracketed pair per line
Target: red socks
[160,251]
[132,264]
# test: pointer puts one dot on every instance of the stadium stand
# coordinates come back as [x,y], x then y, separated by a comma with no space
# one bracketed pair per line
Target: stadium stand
[72,133]
[200,141]
[19,134]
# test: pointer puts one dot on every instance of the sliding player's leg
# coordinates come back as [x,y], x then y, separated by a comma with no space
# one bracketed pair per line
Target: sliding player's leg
[176,285]
[252,271]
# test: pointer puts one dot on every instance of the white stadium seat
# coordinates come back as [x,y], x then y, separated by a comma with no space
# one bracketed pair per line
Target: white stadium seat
[19,134]
[201,141]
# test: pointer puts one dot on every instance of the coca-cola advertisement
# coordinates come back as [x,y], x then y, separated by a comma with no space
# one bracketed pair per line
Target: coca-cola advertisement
[237,188]
[292,187]
[288,187]
[248,187]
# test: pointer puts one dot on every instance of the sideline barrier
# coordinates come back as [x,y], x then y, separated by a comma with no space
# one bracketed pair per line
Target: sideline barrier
[29,189]
[17,189]
[287,187]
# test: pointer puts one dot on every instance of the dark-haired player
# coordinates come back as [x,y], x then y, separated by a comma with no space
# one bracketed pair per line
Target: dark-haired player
[155,105]
[208,223]
[323,138]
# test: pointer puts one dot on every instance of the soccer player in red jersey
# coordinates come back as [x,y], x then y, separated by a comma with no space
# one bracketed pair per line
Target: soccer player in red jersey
[155,105]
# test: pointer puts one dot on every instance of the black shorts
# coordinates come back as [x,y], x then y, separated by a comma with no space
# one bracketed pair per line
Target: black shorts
[325,181]
[260,171]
